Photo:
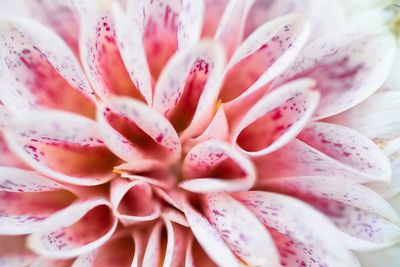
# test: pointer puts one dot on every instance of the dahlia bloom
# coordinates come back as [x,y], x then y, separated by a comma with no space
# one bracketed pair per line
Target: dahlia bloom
[194,133]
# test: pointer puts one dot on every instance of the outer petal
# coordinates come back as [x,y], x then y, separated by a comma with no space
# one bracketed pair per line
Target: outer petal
[63,146]
[241,230]
[276,118]
[213,166]
[301,223]
[27,199]
[367,221]
[188,87]
[133,201]
[133,131]
[348,67]
[40,71]
[78,229]
[13,251]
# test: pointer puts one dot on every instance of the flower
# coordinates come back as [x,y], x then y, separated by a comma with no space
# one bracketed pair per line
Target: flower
[192,133]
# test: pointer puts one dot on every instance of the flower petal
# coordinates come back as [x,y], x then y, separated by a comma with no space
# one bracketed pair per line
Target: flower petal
[213,166]
[134,131]
[27,199]
[63,146]
[264,55]
[188,86]
[133,201]
[78,229]
[13,251]
[276,119]
[241,230]
[366,220]
[44,262]
[301,223]
[348,67]
[195,254]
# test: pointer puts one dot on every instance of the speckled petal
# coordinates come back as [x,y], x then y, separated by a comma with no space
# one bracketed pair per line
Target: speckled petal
[44,262]
[82,227]
[134,131]
[242,231]
[213,166]
[40,71]
[63,146]
[301,223]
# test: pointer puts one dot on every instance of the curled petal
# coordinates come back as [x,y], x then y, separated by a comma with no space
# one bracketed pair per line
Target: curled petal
[188,86]
[13,251]
[276,119]
[40,71]
[133,131]
[44,262]
[214,166]
[241,230]
[348,67]
[78,229]
[63,146]
[301,223]
[133,201]
[28,198]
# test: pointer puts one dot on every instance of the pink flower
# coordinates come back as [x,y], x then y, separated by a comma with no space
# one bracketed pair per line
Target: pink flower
[190,133]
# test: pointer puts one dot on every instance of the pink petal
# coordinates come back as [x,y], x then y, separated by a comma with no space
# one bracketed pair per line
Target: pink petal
[191,20]
[78,229]
[40,71]
[27,199]
[188,87]
[195,255]
[241,230]
[63,146]
[133,201]
[213,12]
[264,55]
[300,223]
[44,262]
[133,131]
[366,220]
[348,67]
[100,54]
[13,251]
[213,166]
[276,119]
[210,239]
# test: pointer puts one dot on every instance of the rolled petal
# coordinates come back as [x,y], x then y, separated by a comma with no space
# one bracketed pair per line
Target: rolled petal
[63,146]
[13,251]
[40,71]
[189,85]
[100,54]
[213,166]
[133,131]
[44,262]
[300,223]
[210,239]
[276,119]
[133,201]
[348,67]
[28,198]
[241,230]
[264,55]
[76,230]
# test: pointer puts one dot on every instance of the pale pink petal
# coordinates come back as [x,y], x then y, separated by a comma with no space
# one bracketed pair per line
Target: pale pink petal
[40,71]
[175,216]
[8,158]
[377,117]
[44,262]
[300,223]
[191,20]
[210,239]
[13,251]
[78,229]
[151,257]
[367,221]
[264,55]
[171,197]
[26,199]
[348,147]
[120,251]
[133,201]
[214,166]
[325,16]
[347,66]
[100,54]
[195,255]
[213,12]
[63,146]
[189,85]
[241,230]
[134,131]
[276,118]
